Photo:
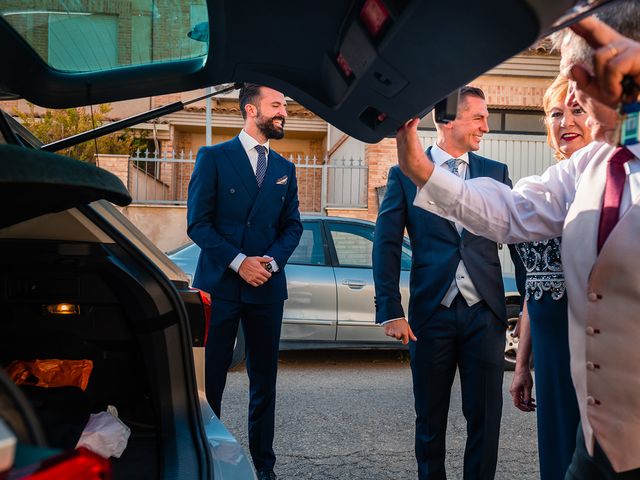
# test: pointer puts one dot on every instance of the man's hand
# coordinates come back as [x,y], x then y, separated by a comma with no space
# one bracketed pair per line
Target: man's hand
[520,390]
[399,329]
[411,157]
[615,56]
[253,272]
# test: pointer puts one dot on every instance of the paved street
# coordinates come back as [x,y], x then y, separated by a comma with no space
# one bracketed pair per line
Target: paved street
[349,415]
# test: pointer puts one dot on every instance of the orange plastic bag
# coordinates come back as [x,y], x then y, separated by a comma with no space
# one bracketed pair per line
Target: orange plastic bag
[51,372]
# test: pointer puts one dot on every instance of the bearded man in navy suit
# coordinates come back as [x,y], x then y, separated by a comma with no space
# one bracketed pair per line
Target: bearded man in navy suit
[457,313]
[243,214]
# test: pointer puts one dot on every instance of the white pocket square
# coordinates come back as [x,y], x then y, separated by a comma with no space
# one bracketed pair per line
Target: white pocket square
[282,180]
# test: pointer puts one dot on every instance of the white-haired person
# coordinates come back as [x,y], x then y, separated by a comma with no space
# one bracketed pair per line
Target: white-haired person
[593,201]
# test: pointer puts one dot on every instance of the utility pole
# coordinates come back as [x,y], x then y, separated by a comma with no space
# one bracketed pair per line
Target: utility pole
[208,117]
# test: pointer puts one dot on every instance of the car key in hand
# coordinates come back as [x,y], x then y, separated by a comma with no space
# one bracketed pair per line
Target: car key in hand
[629,129]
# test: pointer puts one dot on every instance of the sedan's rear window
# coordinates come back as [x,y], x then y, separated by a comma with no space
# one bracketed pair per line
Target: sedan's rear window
[87,36]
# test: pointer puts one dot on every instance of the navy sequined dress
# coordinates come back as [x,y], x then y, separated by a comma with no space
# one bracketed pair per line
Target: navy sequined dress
[557,412]
[544,268]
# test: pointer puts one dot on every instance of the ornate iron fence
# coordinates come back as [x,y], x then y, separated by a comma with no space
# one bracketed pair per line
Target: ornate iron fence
[322,182]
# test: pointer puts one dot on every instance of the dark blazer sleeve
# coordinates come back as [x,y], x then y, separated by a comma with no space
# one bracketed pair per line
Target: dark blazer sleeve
[201,209]
[387,250]
[289,224]
[520,271]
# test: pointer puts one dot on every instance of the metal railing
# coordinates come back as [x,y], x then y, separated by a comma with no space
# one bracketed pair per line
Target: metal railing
[322,182]
[160,180]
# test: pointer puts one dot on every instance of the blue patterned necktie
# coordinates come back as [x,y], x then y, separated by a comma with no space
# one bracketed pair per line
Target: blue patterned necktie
[261,167]
[454,164]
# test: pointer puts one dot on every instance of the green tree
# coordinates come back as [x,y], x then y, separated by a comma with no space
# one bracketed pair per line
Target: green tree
[55,125]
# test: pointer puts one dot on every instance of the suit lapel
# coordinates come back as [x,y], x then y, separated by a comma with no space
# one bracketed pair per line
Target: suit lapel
[240,161]
[476,169]
[268,184]
[476,166]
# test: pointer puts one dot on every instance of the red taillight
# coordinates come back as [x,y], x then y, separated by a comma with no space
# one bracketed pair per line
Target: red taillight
[80,464]
[375,16]
[206,304]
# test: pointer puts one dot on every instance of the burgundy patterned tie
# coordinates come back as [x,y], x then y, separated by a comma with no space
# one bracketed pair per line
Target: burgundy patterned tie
[613,189]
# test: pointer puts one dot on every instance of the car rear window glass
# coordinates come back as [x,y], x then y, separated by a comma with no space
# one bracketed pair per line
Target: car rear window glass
[84,36]
[310,250]
[353,244]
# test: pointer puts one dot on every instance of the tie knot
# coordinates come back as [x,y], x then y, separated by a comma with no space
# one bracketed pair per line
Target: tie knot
[621,155]
[261,150]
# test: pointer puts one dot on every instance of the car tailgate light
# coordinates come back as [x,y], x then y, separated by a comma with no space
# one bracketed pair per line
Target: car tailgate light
[62,309]
[344,65]
[206,304]
[375,17]
[79,464]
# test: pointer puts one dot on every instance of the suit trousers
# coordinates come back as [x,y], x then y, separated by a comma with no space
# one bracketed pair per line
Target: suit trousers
[261,324]
[471,339]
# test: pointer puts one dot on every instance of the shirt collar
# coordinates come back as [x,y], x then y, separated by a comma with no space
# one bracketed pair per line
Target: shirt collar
[439,156]
[635,149]
[249,143]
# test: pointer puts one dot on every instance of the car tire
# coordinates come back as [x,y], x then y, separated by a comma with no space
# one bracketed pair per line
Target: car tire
[238,349]
[511,343]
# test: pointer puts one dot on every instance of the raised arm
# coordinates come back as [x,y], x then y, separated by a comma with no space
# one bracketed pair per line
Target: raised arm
[534,210]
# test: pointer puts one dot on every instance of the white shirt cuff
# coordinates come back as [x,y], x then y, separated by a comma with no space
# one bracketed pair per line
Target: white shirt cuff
[441,190]
[393,320]
[235,264]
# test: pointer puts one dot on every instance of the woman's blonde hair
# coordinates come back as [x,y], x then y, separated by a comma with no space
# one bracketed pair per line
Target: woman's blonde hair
[554,95]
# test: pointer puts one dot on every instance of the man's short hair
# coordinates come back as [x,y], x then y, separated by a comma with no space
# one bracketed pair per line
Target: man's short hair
[622,16]
[464,92]
[249,94]
[469,91]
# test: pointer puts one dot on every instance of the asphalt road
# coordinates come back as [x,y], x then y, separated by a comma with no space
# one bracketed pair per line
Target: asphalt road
[349,415]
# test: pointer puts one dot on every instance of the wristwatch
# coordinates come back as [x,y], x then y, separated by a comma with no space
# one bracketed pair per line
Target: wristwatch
[268,267]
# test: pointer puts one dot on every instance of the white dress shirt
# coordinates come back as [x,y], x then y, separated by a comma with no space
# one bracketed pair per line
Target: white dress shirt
[461,281]
[535,209]
[249,144]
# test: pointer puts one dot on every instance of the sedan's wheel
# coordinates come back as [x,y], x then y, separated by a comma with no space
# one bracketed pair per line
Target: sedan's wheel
[238,348]
[511,345]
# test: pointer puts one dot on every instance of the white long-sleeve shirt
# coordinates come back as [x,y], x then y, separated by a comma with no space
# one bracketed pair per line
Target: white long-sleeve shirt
[535,209]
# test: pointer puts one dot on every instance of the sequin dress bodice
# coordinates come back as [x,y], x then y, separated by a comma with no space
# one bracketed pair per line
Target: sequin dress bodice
[544,268]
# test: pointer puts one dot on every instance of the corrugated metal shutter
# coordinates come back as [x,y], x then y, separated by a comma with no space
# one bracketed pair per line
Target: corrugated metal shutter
[529,65]
[524,155]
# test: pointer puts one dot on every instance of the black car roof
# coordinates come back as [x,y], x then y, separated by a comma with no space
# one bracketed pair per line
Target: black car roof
[365,66]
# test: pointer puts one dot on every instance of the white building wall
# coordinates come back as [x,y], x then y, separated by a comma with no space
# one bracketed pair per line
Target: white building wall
[350,149]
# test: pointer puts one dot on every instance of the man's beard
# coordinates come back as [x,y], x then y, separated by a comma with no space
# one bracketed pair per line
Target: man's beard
[268,129]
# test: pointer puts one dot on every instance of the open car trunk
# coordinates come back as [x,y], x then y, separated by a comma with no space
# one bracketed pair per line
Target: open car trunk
[126,317]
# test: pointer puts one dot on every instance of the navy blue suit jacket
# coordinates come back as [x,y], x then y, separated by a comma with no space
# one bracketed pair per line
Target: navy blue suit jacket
[228,214]
[437,248]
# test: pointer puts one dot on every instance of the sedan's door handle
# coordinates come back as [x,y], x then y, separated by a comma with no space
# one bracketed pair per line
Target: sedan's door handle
[355,284]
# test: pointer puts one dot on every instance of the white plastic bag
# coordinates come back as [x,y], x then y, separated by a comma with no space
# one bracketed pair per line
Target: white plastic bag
[105,434]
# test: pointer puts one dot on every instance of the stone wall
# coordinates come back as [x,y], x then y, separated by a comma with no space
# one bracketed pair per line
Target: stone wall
[166,226]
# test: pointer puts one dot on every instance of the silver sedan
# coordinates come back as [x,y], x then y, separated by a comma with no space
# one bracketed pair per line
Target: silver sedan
[331,291]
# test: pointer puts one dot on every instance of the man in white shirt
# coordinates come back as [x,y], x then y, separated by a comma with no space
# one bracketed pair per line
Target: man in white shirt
[593,200]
